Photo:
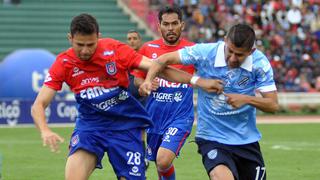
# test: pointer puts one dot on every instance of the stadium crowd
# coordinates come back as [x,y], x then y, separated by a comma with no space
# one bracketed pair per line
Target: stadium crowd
[288,32]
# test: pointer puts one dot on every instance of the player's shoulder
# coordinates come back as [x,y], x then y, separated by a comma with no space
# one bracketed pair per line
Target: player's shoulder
[260,60]
[64,56]
[206,47]
[108,42]
[258,56]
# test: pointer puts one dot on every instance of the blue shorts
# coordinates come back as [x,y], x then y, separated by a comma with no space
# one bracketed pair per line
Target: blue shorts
[173,139]
[244,161]
[124,148]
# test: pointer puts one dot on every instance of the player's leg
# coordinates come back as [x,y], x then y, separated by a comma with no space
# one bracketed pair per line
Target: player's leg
[126,153]
[221,172]
[217,160]
[81,162]
[250,162]
[144,137]
[84,155]
[153,143]
[172,142]
[164,164]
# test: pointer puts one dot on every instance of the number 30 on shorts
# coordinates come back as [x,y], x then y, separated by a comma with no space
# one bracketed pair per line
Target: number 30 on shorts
[172,131]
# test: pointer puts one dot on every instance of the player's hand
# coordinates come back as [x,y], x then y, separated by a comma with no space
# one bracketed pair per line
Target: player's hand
[52,140]
[236,100]
[155,84]
[210,85]
[145,88]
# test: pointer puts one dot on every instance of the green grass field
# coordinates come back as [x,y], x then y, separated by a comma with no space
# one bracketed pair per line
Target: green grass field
[291,152]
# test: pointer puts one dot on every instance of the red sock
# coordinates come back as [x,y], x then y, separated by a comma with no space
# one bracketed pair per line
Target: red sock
[167,172]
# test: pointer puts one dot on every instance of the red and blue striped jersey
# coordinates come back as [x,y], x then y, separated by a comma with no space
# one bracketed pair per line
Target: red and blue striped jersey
[171,103]
[100,86]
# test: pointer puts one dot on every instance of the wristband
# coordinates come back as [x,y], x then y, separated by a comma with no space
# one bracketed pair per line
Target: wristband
[194,79]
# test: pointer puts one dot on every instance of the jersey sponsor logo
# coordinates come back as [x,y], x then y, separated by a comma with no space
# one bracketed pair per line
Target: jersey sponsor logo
[75,140]
[212,154]
[219,104]
[48,78]
[167,97]
[77,72]
[89,80]
[135,171]
[177,96]
[154,55]
[109,103]
[108,53]
[111,68]
[94,92]
[165,83]
[154,45]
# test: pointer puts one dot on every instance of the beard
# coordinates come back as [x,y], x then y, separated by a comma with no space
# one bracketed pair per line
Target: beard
[171,38]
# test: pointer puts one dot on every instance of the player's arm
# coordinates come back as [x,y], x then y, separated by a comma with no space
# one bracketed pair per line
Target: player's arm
[137,81]
[42,101]
[161,63]
[160,68]
[267,103]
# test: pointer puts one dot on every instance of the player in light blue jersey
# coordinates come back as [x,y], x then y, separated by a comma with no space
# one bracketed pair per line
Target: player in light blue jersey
[227,135]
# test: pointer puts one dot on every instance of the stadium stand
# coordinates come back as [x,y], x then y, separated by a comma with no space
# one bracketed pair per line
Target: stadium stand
[287,31]
[45,23]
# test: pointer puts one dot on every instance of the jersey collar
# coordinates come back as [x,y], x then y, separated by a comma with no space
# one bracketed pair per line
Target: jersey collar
[220,60]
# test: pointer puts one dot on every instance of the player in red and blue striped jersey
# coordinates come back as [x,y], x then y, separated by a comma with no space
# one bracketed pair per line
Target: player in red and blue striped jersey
[171,105]
[110,119]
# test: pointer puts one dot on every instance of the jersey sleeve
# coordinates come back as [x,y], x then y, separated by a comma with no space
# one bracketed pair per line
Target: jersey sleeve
[55,76]
[136,72]
[127,56]
[195,54]
[264,76]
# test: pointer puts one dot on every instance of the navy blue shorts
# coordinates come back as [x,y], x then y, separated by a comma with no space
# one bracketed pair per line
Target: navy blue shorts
[124,148]
[173,139]
[245,161]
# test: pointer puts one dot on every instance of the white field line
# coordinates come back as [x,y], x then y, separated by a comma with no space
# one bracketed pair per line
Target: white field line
[293,146]
[287,119]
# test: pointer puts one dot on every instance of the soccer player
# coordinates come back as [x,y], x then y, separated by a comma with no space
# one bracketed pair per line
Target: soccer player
[171,105]
[110,119]
[134,39]
[227,135]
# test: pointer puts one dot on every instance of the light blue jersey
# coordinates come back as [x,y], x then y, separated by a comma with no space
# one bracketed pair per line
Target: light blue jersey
[217,120]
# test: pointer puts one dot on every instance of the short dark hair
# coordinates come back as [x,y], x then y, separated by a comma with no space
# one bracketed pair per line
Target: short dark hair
[134,31]
[84,24]
[168,10]
[242,35]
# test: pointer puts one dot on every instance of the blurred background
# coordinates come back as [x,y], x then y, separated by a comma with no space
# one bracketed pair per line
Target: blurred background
[33,32]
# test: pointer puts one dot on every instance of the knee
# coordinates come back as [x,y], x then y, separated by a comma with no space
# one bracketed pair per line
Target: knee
[163,162]
[221,172]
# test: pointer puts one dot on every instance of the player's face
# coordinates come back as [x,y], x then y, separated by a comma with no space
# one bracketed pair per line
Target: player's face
[134,40]
[84,45]
[235,56]
[170,28]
